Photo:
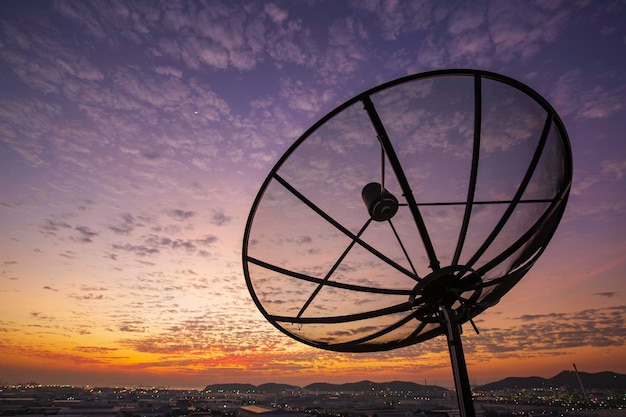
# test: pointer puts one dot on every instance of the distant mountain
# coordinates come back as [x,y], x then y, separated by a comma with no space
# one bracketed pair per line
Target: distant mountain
[600,380]
[364,386]
[515,382]
[597,380]
[271,387]
[230,387]
[268,388]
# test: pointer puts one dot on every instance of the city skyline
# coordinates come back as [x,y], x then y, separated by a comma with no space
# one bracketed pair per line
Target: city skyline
[134,137]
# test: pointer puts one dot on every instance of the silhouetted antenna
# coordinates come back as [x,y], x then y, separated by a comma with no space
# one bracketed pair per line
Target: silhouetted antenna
[580,382]
[464,175]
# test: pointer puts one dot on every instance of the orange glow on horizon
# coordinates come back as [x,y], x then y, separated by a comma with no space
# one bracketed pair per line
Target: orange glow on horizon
[316,366]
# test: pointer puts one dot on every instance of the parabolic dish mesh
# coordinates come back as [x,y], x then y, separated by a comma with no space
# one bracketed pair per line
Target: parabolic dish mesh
[488,163]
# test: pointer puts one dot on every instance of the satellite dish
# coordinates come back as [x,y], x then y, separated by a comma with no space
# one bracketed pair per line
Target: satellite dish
[406,212]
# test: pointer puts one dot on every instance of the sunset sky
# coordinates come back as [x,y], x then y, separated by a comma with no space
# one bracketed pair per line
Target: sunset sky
[134,137]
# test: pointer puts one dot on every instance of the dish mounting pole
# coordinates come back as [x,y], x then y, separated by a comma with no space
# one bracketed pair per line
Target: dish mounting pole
[459,367]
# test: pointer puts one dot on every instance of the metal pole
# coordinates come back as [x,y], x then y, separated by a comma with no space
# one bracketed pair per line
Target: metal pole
[459,367]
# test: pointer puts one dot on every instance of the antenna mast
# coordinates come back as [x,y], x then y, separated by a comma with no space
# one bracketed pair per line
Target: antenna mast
[580,382]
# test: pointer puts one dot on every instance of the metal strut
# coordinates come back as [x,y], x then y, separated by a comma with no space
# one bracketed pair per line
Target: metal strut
[459,367]
[404,183]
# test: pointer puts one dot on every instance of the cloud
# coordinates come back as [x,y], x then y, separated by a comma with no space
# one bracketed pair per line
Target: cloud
[346,51]
[174,72]
[24,125]
[208,240]
[82,14]
[87,297]
[154,244]
[216,36]
[92,288]
[576,94]
[68,254]
[166,242]
[139,250]
[132,327]
[220,218]
[95,349]
[608,294]
[600,103]
[488,33]
[118,105]
[28,52]
[41,316]
[304,240]
[465,18]
[520,31]
[303,97]
[126,226]
[553,333]
[85,234]
[179,214]
[614,168]
[123,101]
[210,335]
[277,14]
[398,18]
[53,227]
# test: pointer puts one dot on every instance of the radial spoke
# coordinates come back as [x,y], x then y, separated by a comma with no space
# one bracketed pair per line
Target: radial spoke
[398,308]
[341,228]
[417,331]
[333,268]
[404,183]
[550,212]
[519,193]
[406,255]
[304,277]
[473,170]
[379,333]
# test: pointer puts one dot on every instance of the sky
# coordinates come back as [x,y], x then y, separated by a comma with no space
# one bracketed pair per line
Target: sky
[135,135]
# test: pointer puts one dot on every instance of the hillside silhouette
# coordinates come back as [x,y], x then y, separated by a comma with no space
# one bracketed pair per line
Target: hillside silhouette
[599,380]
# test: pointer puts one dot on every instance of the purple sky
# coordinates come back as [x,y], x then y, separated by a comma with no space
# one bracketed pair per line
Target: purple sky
[135,135]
